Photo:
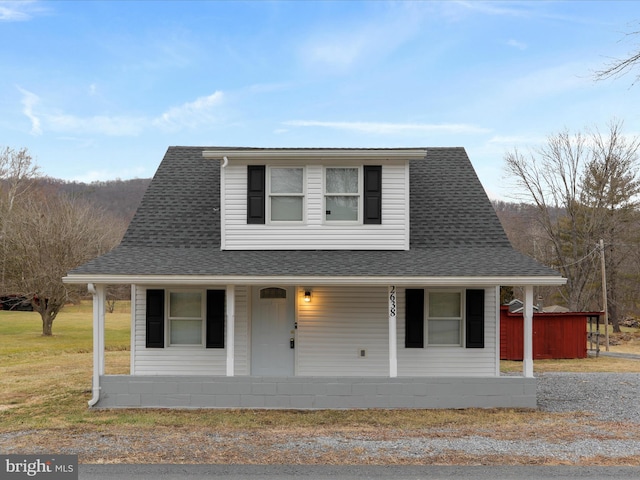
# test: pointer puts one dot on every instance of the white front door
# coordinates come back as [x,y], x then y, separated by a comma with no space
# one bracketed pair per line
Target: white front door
[272,328]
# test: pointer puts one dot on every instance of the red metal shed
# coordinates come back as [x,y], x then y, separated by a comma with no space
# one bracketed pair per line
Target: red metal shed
[555,335]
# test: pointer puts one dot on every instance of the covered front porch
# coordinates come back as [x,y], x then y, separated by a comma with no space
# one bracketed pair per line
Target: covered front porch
[399,387]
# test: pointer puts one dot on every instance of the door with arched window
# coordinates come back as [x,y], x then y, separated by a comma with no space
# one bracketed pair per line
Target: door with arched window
[272,328]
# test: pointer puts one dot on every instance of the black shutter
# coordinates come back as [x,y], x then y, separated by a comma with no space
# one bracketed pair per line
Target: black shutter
[475,318]
[414,318]
[372,195]
[155,319]
[255,194]
[215,318]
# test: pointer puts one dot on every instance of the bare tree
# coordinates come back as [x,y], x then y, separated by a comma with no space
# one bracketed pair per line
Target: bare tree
[583,187]
[17,174]
[46,236]
[548,177]
[620,66]
[611,191]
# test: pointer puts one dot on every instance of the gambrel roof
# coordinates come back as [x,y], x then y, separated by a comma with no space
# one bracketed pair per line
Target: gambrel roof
[454,231]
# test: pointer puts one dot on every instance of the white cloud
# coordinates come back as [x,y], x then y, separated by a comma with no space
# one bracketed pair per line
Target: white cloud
[116,126]
[509,140]
[391,128]
[496,8]
[516,44]
[19,11]
[190,114]
[29,101]
[372,39]
[553,80]
[340,52]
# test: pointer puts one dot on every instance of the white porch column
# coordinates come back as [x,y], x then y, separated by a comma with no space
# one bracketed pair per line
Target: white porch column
[231,328]
[393,349]
[98,292]
[527,358]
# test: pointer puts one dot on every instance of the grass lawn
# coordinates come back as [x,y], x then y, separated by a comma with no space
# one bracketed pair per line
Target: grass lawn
[45,384]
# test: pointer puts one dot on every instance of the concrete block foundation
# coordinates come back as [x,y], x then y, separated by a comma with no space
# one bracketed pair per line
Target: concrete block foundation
[307,393]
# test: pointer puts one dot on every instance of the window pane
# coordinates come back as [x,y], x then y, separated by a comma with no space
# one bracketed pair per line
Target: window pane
[286,180]
[444,304]
[286,208]
[341,208]
[342,180]
[186,332]
[273,292]
[185,305]
[444,332]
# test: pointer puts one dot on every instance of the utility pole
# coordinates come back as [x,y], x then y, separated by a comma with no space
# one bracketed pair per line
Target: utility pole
[604,297]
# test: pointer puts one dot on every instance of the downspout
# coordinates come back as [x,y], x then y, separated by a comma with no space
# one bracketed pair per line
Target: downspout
[226,162]
[96,345]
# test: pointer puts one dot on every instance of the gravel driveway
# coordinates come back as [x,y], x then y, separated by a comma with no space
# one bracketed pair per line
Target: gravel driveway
[610,396]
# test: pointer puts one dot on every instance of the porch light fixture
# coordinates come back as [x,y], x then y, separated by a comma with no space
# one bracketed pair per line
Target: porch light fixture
[307,296]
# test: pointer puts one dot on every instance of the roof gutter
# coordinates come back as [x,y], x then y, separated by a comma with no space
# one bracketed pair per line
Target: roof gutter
[316,154]
[487,281]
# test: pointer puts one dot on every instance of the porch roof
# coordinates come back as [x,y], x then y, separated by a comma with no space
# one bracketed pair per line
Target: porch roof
[461,265]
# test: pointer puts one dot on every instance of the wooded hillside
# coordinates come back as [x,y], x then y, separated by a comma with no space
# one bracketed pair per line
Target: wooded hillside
[117,197]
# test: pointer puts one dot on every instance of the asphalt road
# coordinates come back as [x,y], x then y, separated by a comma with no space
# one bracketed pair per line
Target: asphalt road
[321,472]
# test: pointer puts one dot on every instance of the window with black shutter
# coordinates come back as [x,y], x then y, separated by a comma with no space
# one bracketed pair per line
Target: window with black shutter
[414,318]
[475,319]
[155,319]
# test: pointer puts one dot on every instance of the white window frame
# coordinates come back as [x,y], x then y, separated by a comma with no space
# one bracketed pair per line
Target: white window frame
[170,319]
[358,195]
[269,195]
[460,318]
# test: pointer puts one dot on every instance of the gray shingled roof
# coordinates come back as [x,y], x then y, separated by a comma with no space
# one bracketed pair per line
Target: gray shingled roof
[454,230]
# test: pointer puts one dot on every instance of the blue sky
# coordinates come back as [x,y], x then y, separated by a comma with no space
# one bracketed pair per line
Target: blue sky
[98,90]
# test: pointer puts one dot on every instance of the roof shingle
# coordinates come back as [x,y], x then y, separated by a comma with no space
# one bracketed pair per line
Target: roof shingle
[454,230]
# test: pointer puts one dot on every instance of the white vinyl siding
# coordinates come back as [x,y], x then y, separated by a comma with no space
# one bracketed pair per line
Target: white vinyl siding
[333,328]
[336,325]
[450,361]
[188,360]
[314,233]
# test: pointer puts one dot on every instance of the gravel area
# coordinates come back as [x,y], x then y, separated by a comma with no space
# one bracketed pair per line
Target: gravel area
[607,397]
[610,396]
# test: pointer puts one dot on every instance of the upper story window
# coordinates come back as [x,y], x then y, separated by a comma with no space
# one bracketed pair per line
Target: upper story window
[353,194]
[279,194]
[342,194]
[286,194]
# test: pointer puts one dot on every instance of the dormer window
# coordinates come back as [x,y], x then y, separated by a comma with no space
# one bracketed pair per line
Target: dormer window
[353,194]
[342,194]
[286,194]
[300,194]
